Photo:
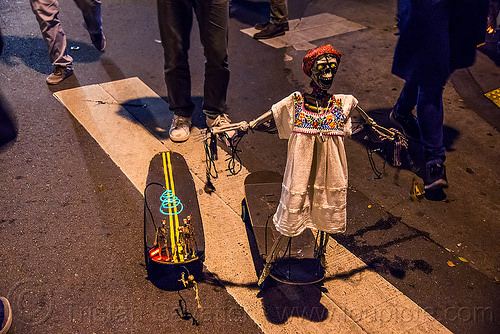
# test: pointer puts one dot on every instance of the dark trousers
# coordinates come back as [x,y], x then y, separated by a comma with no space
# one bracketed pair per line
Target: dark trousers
[428,97]
[423,59]
[279,11]
[175,19]
[47,15]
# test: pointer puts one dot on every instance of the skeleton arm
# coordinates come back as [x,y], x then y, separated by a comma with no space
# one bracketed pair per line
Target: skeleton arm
[384,132]
[267,116]
[244,125]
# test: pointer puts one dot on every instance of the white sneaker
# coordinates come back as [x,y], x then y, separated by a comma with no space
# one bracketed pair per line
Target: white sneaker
[180,128]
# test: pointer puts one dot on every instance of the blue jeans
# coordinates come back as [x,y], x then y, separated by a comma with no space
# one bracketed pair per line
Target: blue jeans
[175,18]
[428,97]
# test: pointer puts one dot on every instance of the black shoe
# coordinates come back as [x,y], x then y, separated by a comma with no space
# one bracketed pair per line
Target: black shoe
[435,176]
[260,26]
[407,124]
[99,41]
[271,30]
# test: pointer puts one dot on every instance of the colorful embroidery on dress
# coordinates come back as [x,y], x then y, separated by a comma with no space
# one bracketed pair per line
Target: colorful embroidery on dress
[328,123]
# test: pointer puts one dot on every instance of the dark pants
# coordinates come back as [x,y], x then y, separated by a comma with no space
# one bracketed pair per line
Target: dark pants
[175,19]
[422,59]
[47,15]
[279,11]
[428,97]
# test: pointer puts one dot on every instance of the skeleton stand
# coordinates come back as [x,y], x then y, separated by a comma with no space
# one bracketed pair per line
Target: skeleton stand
[279,243]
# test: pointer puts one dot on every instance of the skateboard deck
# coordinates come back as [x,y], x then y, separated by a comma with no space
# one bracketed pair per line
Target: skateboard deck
[174,243]
[296,263]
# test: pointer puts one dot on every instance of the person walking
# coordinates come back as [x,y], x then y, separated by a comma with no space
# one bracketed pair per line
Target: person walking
[175,18]
[47,15]
[435,38]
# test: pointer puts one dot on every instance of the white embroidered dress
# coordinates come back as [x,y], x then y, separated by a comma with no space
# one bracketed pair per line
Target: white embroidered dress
[314,189]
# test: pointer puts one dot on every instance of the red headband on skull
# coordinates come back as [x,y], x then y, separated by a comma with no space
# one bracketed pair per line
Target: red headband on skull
[313,54]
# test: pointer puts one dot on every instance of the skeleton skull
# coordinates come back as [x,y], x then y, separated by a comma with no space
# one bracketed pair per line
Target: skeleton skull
[324,70]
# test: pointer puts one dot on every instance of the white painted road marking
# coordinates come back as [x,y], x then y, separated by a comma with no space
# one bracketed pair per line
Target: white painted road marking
[308,29]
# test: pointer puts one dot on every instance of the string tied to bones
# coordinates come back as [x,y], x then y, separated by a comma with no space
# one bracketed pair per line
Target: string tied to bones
[380,134]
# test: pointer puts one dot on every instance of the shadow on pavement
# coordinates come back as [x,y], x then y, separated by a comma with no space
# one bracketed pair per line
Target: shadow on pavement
[373,254]
[281,302]
[33,52]
[159,124]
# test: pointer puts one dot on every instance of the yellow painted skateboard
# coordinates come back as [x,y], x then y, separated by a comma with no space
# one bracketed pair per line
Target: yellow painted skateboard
[174,243]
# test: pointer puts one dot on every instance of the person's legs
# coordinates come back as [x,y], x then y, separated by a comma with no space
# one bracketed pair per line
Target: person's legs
[47,15]
[213,20]
[279,11]
[278,21]
[175,18]
[91,11]
[430,119]
[407,99]
[401,114]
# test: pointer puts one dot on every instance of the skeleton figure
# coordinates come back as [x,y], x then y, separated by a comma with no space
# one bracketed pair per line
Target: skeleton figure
[314,188]
[180,250]
[315,180]
[161,238]
[187,235]
[314,185]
